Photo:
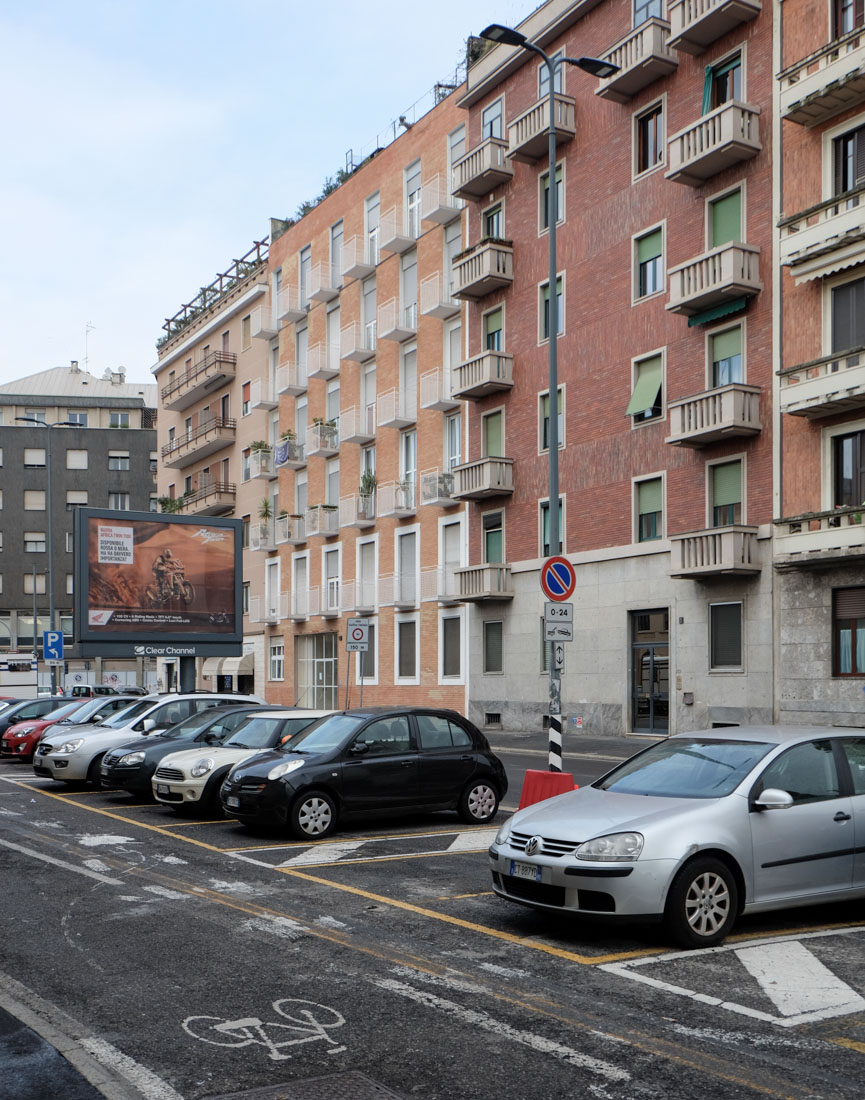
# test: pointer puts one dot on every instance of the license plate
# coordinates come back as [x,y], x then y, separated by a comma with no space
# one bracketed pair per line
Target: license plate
[525,870]
[232,801]
[162,788]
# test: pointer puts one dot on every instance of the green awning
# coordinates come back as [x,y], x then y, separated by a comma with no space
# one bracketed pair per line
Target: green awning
[716,312]
[646,390]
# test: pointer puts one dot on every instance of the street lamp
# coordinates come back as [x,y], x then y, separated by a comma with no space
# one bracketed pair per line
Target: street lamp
[51,620]
[507,36]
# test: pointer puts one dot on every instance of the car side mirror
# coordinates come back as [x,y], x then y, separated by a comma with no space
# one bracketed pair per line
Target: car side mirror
[773,799]
[211,738]
[359,748]
[148,726]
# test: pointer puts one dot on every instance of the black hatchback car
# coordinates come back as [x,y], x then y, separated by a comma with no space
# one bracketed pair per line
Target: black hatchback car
[371,761]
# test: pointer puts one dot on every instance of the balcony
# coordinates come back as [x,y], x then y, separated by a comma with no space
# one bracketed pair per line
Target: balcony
[322,439]
[358,341]
[823,387]
[330,601]
[439,583]
[436,299]
[357,424]
[726,136]
[288,454]
[322,361]
[261,395]
[485,267]
[397,408]
[356,261]
[826,237]
[289,530]
[322,521]
[643,56]
[437,488]
[826,82]
[366,595]
[696,24]
[715,278]
[261,466]
[397,233]
[716,552]
[436,391]
[396,498]
[721,413]
[357,511]
[529,133]
[262,536]
[398,590]
[436,204]
[214,434]
[484,582]
[262,324]
[397,322]
[211,498]
[292,380]
[299,610]
[324,283]
[489,372]
[211,372]
[268,609]
[289,307]
[485,477]
[482,170]
[820,538]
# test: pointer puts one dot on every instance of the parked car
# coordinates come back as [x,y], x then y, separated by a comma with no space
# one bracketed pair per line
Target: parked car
[29,708]
[697,830]
[78,691]
[76,755]
[91,712]
[21,740]
[134,691]
[370,761]
[131,766]
[195,776]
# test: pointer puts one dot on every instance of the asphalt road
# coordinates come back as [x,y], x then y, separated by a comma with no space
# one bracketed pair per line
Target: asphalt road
[184,959]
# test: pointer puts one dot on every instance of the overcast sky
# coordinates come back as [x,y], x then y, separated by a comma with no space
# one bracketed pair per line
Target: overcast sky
[148,145]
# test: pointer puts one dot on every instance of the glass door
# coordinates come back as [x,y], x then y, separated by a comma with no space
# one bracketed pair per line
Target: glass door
[650,671]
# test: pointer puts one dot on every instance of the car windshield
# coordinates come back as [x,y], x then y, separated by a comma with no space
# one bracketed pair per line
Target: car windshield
[326,735]
[255,733]
[696,767]
[127,714]
[190,726]
[62,712]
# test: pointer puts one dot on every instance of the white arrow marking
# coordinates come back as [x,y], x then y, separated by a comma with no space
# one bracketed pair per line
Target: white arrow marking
[480,838]
[796,982]
[324,853]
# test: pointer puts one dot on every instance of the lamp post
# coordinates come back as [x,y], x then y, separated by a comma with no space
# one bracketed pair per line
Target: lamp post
[43,424]
[508,37]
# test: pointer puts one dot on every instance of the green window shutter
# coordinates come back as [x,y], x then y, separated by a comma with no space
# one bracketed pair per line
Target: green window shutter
[648,384]
[650,246]
[726,344]
[726,483]
[493,545]
[649,496]
[727,219]
[707,89]
[493,436]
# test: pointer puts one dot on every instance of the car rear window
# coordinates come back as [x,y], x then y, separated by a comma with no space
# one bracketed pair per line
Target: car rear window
[695,767]
[436,732]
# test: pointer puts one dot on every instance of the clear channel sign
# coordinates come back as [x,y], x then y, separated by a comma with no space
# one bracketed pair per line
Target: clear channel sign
[357,636]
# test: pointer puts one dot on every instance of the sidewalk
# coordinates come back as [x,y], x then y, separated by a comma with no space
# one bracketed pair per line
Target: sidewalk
[32,1069]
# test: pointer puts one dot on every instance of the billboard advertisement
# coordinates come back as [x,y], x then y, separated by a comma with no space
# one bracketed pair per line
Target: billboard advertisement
[142,577]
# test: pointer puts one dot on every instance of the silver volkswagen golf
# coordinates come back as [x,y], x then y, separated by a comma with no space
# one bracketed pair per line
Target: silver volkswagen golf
[696,830]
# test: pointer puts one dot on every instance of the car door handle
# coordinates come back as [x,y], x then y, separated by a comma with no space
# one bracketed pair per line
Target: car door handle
[408,763]
[841,816]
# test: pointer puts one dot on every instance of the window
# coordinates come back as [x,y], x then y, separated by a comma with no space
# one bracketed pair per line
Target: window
[244,598]
[545,309]
[647,9]
[336,234]
[412,199]
[35,414]
[76,498]
[118,460]
[456,146]
[118,420]
[493,538]
[650,263]
[276,660]
[408,288]
[70,542]
[372,228]
[119,501]
[647,399]
[40,584]
[453,440]
[848,14]
[849,154]
[725,636]
[807,772]
[408,461]
[848,489]
[723,83]
[491,120]
[244,532]
[493,655]
[246,332]
[301,494]
[332,336]
[331,482]
[848,632]
[545,197]
[545,529]
[34,542]
[492,439]
[650,509]
[34,457]
[451,643]
[650,138]
[367,662]
[848,316]
[154,502]
[70,584]
[406,647]
[435,732]
[245,405]
[34,500]
[726,493]
[79,418]
[386,737]
[304,271]
[544,76]
[406,558]
[494,336]
[245,468]
[544,411]
[493,222]
[331,402]
[725,219]
[726,356]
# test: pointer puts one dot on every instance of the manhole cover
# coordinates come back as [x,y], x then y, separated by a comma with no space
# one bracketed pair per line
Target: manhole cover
[335,1086]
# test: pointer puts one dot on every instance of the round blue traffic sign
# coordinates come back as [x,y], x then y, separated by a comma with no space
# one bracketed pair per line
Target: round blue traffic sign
[558,578]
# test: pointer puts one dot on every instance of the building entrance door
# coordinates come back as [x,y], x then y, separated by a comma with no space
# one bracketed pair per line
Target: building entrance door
[650,671]
[316,671]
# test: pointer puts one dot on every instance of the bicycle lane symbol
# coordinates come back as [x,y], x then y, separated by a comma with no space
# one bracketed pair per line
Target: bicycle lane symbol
[309,1022]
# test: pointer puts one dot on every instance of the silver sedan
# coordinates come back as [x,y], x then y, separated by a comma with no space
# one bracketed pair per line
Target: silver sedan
[696,830]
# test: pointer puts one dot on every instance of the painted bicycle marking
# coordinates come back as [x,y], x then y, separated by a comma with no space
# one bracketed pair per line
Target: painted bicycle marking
[309,1022]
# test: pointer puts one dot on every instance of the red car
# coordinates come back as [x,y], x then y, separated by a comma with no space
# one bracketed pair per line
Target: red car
[21,739]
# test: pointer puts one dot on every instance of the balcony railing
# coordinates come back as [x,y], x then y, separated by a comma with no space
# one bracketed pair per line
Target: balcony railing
[262,536]
[440,583]
[485,477]
[322,439]
[261,466]
[643,57]
[484,582]
[288,453]
[715,552]
[489,372]
[436,202]
[726,411]
[357,511]
[529,133]
[397,408]
[485,267]
[398,590]
[322,361]
[357,341]
[726,136]
[398,233]
[436,391]
[833,384]
[211,498]
[212,435]
[366,594]
[300,610]
[356,260]
[437,487]
[718,276]
[292,380]
[696,24]
[324,283]
[357,424]
[216,368]
[814,241]
[396,498]
[261,395]
[322,521]
[330,599]
[396,322]
[436,299]
[482,169]
[289,307]
[289,529]
[826,82]
[820,538]
[262,323]
[268,609]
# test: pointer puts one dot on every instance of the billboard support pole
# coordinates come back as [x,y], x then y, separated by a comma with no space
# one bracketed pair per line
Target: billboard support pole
[187,675]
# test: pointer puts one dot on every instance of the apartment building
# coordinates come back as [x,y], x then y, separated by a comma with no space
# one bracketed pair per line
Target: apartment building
[665,365]
[820,385]
[87,441]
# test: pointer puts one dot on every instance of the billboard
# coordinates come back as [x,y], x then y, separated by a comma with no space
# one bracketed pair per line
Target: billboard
[142,577]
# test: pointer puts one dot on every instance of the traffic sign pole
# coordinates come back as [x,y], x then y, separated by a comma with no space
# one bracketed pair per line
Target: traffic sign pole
[558,580]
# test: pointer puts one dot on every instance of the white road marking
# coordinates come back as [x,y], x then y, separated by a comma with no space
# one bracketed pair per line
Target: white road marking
[504,971]
[479,839]
[104,841]
[323,853]
[474,1019]
[62,863]
[96,865]
[147,1083]
[279,926]
[796,982]
[164,892]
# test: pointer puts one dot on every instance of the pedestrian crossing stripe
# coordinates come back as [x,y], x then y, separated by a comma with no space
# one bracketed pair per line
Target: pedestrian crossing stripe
[369,850]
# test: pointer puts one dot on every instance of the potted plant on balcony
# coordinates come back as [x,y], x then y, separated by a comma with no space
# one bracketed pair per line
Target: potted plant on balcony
[366,492]
[265,509]
[259,445]
[288,436]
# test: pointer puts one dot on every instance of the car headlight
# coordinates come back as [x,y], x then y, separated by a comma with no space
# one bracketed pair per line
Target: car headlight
[284,769]
[24,732]
[201,767]
[129,759]
[71,746]
[503,833]
[615,848]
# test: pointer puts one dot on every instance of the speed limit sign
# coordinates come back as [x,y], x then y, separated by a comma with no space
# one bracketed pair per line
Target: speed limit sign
[357,636]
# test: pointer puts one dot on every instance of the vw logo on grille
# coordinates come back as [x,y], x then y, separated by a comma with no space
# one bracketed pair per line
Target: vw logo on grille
[235,778]
[532,845]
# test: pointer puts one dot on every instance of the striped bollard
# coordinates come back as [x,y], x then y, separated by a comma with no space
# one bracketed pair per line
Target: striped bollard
[555,732]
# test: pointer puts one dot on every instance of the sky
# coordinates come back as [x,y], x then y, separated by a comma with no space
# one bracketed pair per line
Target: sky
[149,144]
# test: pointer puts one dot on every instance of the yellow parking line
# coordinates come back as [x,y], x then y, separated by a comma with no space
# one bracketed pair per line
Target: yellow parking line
[459,897]
[369,838]
[852,1044]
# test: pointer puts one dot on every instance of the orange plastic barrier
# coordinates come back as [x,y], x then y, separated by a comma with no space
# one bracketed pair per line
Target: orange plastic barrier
[539,785]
